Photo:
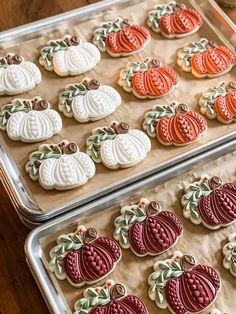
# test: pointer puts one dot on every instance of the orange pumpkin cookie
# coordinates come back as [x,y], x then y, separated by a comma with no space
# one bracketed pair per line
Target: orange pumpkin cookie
[219,102]
[205,58]
[174,124]
[148,79]
[120,37]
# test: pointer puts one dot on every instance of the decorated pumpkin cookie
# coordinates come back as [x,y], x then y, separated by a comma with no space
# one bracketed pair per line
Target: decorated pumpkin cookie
[148,79]
[183,286]
[17,75]
[205,58]
[29,120]
[83,257]
[60,166]
[118,146]
[121,38]
[88,100]
[174,124]
[229,252]
[69,56]
[174,20]
[146,229]
[111,298]
[210,201]
[220,102]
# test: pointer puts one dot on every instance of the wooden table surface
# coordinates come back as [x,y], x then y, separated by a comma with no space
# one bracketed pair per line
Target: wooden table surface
[18,290]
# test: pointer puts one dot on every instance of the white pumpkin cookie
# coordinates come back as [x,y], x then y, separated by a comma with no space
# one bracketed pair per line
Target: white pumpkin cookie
[29,120]
[116,146]
[88,101]
[17,75]
[60,166]
[229,252]
[69,56]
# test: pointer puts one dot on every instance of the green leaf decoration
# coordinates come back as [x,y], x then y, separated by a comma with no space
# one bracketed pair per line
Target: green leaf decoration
[155,15]
[3,63]
[130,70]
[158,279]
[190,49]
[45,151]
[66,97]
[124,222]
[154,116]
[94,141]
[65,243]
[48,52]
[8,110]
[229,252]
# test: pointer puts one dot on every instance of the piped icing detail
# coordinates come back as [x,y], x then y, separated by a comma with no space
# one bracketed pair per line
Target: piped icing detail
[60,166]
[108,299]
[174,20]
[118,146]
[29,120]
[229,253]
[88,100]
[17,75]
[205,58]
[182,285]
[83,257]
[120,37]
[69,56]
[174,124]
[219,102]
[148,78]
[210,201]
[147,229]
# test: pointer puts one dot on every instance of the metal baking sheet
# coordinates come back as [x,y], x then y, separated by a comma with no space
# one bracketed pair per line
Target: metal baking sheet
[19,192]
[33,247]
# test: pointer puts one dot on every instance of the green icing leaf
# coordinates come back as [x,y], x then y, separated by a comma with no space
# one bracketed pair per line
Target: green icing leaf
[131,69]
[191,49]
[155,15]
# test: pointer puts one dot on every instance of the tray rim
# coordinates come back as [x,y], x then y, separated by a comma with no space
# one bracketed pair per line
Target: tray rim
[33,249]
[26,206]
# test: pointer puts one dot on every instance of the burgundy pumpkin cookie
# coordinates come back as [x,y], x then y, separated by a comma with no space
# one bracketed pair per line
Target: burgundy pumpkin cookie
[183,286]
[146,229]
[174,124]
[111,298]
[210,201]
[174,20]
[205,58]
[120,37]
[148,79]
[83,257]
[220,102]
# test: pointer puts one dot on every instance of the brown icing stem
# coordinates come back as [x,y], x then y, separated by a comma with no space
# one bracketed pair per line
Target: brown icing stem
[215,182]
[92,84]
[179,6]
[13,59]
[153,208]
[125,23]
[232,85]
[90,235]
[117,291]
[72,41]
[39,105]
[187,262]
[182,108]
[122,128]
[70,148]
[154,63]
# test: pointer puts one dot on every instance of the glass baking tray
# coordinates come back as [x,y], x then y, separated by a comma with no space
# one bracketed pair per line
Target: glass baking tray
[25,194]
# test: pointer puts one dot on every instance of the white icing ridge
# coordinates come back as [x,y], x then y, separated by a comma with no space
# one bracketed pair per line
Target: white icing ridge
[66,172]
[95,104]
[125,150]
[19,78]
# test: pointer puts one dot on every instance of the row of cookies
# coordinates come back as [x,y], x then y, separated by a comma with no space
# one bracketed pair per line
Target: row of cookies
[84,258]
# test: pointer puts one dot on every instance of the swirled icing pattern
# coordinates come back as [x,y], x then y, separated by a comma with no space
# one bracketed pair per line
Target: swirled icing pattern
[116,146]
[210,201]
[88,101]
[206,59]
[120,38]
[84,257]
[220,102]
[146,229]
[148,79]
[69,56]
[29,120]
[61,166]
[186,287]
[174,20]
[174,124]
[17,75]
[109,299]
